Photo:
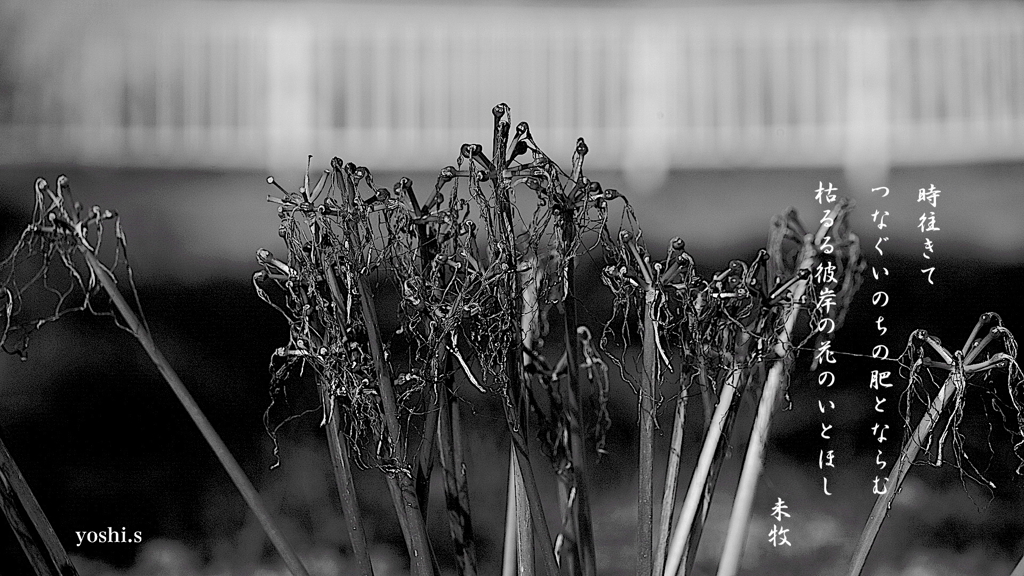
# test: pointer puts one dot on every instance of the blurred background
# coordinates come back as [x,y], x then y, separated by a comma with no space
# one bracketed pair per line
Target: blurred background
[711,117]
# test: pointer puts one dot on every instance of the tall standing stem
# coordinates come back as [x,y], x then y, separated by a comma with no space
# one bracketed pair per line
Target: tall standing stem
[580,507]
[505,246]
[338,445]
[649,383]
[754,459]
[707,391]
[38,541]
[238,477]
[401,485]
[899,471]
[719,430]
[519,556]
[752,465]
[539,521]
[668,499]
[1019,570]
[509,560]
[425,460]
[428,247]
[455,487]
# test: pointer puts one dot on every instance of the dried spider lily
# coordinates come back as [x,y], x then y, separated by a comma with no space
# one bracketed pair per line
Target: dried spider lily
[979,358]
[61,252]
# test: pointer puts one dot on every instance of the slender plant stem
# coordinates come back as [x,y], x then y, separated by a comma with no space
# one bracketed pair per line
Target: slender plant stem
[899,472]
[461,475]
[540,525]
[742,379]
[398,503]
[566,547]
[508,559]
[681,534]
[401,485]
[425,462]
[529,514]
[338,445]
[707,394]
[387,390]
[455,490]
[580,508]
[520,553]
[753,463]
[505,244]
[428,247]
[1019,570]
[582,527]
[524,545]
[668,499]
[690,554]
[33,531]
[649,383]
[252,498]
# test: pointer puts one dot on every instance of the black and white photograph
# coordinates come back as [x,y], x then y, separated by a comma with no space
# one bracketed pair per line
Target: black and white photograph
[500,288]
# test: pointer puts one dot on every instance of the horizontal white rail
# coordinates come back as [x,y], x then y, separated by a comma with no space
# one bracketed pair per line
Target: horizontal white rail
[258,84]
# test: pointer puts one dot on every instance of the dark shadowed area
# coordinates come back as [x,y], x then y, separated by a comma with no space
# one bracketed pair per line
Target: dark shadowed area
[104,445]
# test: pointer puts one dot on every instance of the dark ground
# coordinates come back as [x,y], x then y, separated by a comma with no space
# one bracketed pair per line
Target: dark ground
[103,443]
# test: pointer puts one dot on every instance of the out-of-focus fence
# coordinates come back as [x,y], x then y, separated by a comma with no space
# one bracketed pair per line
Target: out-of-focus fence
[257,84]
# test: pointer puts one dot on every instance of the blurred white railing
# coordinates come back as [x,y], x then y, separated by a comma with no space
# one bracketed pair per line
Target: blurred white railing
[257,84]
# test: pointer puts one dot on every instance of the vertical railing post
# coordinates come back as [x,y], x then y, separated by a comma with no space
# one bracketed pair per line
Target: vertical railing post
[647,157]
[867,150]
[289,91]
